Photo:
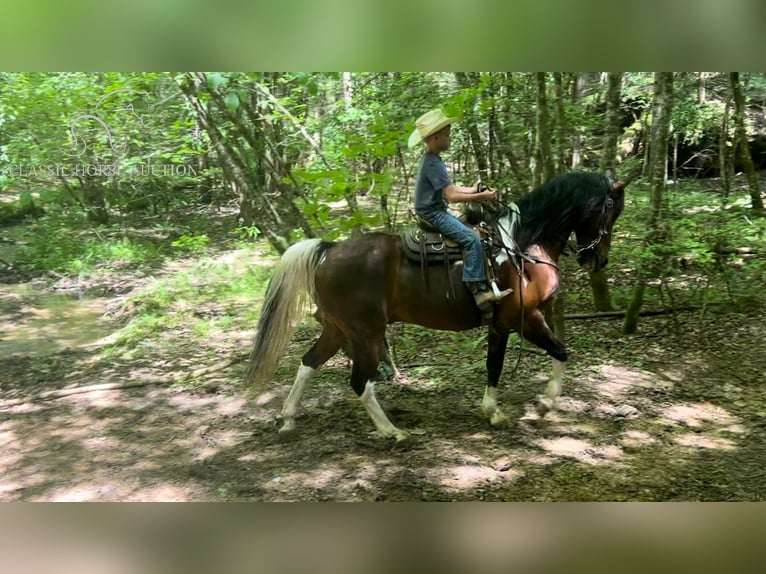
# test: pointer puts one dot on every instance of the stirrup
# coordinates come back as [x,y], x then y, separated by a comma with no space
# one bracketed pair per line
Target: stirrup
[484,296]
[498,293]
[488,296]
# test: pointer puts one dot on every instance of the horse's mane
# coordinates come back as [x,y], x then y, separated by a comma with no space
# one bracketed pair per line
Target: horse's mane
[553,209]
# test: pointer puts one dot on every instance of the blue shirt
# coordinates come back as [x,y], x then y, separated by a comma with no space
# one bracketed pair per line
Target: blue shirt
[429,185]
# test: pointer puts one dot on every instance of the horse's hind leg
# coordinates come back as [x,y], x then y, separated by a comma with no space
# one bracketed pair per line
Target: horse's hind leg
[366,357]
[386,367]
[326,346]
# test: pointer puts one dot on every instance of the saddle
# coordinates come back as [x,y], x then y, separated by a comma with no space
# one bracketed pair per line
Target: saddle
[423,244]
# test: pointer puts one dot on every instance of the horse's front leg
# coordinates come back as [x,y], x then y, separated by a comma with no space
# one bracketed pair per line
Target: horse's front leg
[538,332]
[496,345]
[547,401]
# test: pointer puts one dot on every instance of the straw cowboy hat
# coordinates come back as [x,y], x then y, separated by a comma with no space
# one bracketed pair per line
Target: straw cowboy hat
[427,124]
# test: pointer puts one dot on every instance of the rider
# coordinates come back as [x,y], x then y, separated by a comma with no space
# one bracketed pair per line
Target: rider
[434,188]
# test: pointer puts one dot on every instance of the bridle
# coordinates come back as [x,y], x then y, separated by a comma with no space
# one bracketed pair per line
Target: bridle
[602,232]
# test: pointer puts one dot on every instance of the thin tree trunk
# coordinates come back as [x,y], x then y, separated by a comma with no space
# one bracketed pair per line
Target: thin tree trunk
[470,82]
[562,130]
[612,122]
[545,169]
[724,153]
[578,90]
[505,149]
[602,299]
[544,151]
[756,201]
[661,108]
[347,88]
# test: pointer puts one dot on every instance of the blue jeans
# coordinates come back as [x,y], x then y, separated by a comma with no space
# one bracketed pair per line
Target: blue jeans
[451,227]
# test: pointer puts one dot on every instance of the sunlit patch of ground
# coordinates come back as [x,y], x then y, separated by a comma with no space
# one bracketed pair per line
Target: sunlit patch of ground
[44,323]
[581,450]
[702,441]
[635,439]
[696,414]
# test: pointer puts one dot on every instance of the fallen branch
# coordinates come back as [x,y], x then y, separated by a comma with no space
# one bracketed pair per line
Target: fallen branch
[621,314]
[737,251]
[171,380]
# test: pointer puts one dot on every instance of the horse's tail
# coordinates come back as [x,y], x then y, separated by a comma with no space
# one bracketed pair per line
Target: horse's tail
[290,288]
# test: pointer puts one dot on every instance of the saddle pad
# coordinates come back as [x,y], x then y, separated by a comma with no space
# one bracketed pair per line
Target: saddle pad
[432,243]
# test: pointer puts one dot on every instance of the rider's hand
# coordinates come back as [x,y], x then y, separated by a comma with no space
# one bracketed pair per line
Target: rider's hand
[488,194]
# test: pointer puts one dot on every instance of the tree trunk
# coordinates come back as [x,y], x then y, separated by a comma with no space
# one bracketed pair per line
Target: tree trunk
[599,286]
[602,299]
[578,91]
[347,88]
[562,130]
[612,122]
[245,141]
[469,81]
[662,105]
[545,170]
[743,152]
[505,151]
[724,151]
[543,130]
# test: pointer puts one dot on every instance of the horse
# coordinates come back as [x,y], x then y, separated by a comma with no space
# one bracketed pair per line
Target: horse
[362,284]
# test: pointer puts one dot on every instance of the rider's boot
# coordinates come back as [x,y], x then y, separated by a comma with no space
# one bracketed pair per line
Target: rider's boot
[484,296]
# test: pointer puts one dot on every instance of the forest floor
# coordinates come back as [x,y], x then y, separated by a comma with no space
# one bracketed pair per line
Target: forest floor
[675,413]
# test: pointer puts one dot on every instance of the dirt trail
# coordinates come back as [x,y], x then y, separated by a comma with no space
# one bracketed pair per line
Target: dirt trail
[654,417]
[693,436]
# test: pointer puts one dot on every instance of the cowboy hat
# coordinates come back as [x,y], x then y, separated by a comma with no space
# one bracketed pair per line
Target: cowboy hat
[428,124]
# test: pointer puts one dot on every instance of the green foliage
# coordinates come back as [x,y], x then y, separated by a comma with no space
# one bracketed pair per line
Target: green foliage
[127,133]
[697,258]
[192,243]
[325,154]
[58,243]
[178,302]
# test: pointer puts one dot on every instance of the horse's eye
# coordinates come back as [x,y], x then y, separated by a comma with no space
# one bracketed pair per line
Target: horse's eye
[609,203]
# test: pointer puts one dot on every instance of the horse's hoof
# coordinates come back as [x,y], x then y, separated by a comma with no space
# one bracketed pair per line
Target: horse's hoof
[287,431]
[499,420]
[544,405]
[402,438]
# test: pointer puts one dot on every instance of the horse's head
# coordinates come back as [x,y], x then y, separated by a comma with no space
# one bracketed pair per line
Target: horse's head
[594,232]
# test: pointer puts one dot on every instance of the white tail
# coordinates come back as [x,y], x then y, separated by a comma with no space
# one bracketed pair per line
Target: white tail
[290,289]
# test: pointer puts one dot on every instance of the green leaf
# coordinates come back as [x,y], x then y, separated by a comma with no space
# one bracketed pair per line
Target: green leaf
[216,80]
[25,198]
[232,101]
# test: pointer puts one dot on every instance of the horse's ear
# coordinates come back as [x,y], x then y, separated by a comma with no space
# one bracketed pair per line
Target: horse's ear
[620,185]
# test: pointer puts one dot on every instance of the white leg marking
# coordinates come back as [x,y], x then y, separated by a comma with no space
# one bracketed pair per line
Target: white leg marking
[490,408]
[382,423]
[290,408]
[553,390]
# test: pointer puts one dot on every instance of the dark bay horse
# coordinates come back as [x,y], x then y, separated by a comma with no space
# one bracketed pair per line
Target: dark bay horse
[364,283]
